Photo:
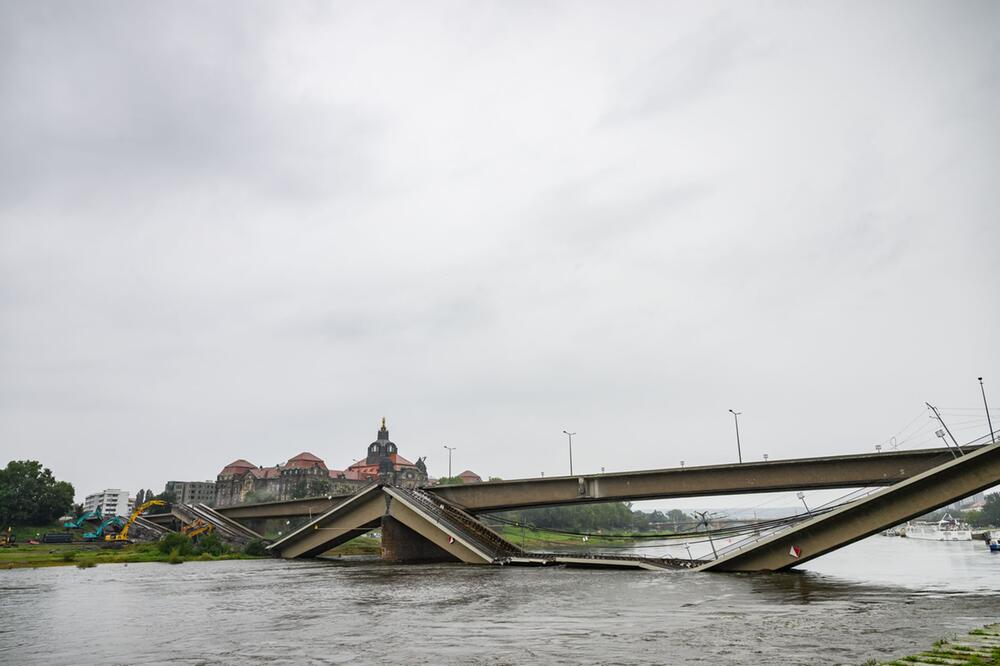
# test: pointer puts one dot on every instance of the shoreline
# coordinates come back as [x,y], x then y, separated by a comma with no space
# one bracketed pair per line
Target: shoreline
[85,556]
[979,647]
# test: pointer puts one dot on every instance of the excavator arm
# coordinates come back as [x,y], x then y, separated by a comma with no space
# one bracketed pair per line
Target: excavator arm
[123,534]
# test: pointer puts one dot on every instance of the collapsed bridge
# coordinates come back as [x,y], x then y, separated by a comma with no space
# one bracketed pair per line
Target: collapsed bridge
[438,524]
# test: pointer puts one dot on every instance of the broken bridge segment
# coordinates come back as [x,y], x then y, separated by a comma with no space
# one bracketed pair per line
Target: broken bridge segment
[416,527]
[227,528]
[869,515]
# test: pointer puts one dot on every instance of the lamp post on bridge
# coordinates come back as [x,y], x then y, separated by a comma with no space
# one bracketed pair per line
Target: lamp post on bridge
[986,405]
[736,419]
[570,435]
[450,449]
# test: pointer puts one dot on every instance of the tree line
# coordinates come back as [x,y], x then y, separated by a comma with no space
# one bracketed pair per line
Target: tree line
[604,516]
[989,516]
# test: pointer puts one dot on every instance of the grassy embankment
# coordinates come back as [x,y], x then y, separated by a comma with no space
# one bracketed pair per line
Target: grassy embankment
[363,545]
[536,538]
[85,555]
[981,647]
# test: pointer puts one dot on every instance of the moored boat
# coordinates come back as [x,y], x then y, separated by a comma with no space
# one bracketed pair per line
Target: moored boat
[946,529]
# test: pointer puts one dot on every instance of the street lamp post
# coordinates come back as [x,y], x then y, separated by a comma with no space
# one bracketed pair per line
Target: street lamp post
[802,496]
[570,435]
[986,405]
[736,419]
[450,449]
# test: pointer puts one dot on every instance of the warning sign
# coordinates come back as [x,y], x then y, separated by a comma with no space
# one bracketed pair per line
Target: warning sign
[794,551]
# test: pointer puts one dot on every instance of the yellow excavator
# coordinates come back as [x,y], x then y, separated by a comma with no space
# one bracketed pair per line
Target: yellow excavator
[198,528]
[123,534]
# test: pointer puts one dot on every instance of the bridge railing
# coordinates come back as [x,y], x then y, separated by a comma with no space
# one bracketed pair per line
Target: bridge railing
[444,512]
[793,521]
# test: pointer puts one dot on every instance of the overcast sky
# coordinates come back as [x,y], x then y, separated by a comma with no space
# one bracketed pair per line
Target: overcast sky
[240,230]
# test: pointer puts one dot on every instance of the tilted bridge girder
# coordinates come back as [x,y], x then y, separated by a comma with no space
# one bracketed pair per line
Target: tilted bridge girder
[415,527]
[869,515]
[299,508]
[850,471]
[186,514]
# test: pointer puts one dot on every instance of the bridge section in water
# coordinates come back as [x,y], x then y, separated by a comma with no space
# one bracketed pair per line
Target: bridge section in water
[869,515]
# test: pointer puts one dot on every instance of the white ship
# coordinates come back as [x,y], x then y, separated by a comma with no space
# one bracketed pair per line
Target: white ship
[946,529]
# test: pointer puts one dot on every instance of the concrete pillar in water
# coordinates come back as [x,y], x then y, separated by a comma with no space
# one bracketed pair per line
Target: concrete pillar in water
[401,544]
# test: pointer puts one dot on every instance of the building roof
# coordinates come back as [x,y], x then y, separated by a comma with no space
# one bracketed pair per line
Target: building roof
[266,472]
[470,476]
[305,460]
[397,460]
[237,467]
[351,474]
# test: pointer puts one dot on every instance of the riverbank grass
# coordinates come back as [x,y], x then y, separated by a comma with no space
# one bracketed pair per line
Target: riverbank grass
[89,555]
[537,538]
[362,545]
[980,647]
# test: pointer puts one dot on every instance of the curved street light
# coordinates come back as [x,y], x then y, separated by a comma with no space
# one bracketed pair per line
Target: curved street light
[570,435]
[736,418]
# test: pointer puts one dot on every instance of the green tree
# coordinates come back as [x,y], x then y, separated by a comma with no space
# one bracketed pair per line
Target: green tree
[255,547]
[30,495]
[679,519]
[450,481]
[212,544]
[611,516]
[176,541]
[990,515]
[167,497]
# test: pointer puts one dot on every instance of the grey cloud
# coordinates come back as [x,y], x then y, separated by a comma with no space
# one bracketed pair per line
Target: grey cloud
[247,230]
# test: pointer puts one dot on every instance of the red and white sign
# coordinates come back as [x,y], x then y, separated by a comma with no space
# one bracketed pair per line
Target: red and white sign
[794,551]
[451,539]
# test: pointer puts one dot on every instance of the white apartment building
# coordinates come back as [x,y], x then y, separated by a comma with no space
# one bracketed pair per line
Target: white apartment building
[111,502]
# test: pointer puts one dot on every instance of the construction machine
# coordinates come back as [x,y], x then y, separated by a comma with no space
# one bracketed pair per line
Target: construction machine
[123,534]
[115,521]
[78,523]
[198,528]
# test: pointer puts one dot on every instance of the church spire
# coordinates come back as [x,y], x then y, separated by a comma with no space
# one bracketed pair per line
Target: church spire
[383,432]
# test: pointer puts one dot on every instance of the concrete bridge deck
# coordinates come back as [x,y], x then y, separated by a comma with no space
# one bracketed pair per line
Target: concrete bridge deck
[874,469]
[850,471]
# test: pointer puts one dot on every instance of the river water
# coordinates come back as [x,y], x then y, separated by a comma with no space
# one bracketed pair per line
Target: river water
[880,598]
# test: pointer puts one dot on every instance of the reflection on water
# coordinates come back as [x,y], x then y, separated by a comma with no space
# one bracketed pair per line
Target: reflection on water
[876,599]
